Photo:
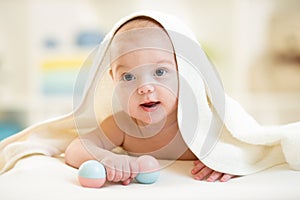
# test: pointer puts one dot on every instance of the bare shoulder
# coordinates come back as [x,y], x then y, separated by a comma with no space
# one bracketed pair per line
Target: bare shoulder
[112,131]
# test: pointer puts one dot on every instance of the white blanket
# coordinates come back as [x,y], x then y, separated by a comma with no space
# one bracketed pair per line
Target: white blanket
[41,177]
[214,126]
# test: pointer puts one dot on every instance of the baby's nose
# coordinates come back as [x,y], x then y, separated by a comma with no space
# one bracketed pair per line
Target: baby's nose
[144,89]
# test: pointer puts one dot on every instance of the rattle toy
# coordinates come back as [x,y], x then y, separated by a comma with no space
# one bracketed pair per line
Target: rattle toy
[149,170]
[92,173]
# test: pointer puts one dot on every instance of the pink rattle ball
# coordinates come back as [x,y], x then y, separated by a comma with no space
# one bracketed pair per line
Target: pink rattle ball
[92,174]
[149,169]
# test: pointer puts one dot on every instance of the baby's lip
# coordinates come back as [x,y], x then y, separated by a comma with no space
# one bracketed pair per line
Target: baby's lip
[150,104]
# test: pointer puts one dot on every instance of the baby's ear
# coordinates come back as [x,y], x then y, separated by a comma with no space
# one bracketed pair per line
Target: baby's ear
[111,74]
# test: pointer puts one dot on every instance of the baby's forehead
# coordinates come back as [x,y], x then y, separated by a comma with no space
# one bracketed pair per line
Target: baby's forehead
[140,39]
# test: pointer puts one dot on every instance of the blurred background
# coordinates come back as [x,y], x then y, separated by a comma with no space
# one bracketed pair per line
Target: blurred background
[255,45]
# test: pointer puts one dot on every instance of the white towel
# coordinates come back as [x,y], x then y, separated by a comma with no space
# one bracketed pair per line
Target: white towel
[214,126]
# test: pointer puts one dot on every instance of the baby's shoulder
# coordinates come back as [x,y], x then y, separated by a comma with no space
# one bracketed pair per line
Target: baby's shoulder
[111,130]
[114,119]
[112,123]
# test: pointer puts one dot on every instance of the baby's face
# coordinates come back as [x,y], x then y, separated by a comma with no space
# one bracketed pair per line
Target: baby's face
[146,76]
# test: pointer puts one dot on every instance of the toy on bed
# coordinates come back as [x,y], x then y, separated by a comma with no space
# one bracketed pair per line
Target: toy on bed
[92,173]
[149,170]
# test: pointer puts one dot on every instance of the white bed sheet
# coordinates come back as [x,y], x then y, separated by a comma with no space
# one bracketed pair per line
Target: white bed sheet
[42,178]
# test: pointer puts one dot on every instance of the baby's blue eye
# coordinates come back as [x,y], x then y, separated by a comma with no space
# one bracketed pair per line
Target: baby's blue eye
[160,72]
[128,77]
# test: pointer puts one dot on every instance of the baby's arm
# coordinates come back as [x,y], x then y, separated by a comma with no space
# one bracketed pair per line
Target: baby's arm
[76,153]
[98,146]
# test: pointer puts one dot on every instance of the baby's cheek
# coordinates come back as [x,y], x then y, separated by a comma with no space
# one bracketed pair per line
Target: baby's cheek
[169,99]
[123,96]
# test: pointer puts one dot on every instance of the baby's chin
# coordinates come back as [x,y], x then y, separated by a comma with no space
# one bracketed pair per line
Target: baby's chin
[149,121]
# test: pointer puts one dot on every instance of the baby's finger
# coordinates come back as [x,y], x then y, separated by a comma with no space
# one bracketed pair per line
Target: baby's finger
[126,182]
[214,176]
[110,173]
[226,177]
[118,176]
[118,171]
[197,168]
[196,162]
[203,173]
[134,167]
[126,171]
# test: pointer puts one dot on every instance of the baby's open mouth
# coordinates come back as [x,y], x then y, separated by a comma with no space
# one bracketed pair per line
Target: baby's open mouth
[150,104]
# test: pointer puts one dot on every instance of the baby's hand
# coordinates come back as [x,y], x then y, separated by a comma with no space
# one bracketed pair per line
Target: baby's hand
[120,168]
[202,172]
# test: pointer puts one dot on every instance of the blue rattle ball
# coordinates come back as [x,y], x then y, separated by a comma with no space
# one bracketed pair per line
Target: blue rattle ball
[147,178]
[149,170]
[92,174]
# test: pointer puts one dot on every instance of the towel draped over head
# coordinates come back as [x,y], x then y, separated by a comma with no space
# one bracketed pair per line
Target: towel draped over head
[213,125]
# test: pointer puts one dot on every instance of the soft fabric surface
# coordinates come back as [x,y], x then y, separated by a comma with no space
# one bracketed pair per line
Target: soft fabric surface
[41,177]
[213,125]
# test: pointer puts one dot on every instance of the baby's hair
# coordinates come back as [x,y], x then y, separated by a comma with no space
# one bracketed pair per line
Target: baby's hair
[139,22]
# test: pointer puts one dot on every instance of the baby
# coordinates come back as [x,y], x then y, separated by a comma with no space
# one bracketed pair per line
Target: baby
[146,85]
